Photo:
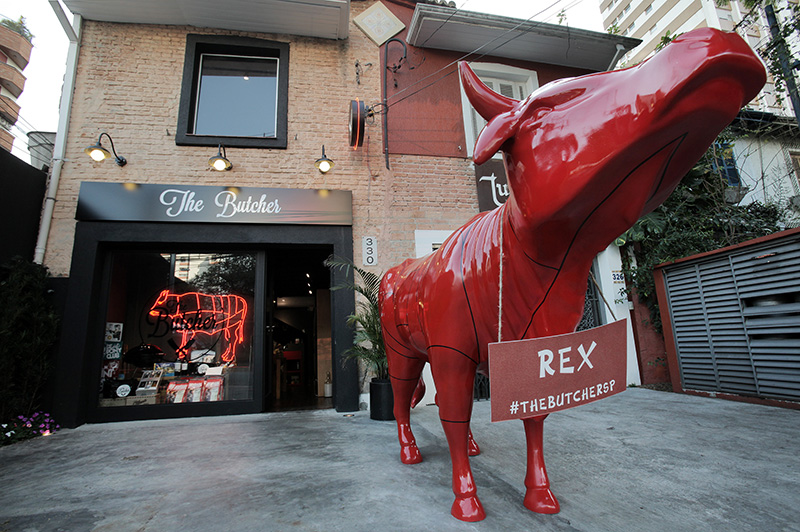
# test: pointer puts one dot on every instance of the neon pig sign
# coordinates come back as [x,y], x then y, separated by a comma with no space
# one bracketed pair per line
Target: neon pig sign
[195,313]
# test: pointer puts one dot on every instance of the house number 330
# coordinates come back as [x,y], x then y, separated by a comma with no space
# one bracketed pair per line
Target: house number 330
[370,247]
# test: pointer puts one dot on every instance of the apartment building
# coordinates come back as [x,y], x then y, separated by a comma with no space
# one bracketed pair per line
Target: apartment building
[763,164]
[15,52]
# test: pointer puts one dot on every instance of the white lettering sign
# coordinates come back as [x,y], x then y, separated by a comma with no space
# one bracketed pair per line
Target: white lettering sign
[546,358]
[231,205]
[180,201]
[562,399]
[499,190]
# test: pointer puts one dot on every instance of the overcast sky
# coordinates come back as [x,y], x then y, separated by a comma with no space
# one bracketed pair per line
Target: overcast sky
[45,71]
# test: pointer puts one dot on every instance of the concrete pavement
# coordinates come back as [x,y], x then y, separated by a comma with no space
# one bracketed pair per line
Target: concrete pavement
[642,460]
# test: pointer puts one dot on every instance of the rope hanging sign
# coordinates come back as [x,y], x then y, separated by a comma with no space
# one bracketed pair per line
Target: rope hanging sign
[539,376]
[544,375]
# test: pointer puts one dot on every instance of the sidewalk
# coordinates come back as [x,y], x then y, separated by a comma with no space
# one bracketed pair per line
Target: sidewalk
[642,460]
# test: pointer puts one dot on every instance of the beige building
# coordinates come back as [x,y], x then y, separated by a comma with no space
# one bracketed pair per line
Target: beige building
[215,278]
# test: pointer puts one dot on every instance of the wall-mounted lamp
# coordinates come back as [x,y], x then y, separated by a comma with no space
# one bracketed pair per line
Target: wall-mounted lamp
[220,162]
[323,164]
[98,152]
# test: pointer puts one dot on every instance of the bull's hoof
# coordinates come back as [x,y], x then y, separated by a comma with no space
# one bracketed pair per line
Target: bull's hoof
[409,454]
[472,447]
[542,501]
[468,509]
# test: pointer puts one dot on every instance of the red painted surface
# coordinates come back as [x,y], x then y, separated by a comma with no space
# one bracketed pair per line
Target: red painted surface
[544,375]
[650,347]
[585,158]
[666,327]
[425,116]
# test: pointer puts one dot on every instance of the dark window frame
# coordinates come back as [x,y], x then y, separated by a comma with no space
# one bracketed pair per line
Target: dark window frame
[725,164]
[196,45]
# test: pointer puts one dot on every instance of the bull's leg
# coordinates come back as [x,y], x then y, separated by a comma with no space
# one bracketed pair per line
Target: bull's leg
[227,355]
[404,370]
[472,445]
[538,496]
[454,386]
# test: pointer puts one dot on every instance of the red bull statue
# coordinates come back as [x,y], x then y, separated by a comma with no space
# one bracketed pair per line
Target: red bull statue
[585,158]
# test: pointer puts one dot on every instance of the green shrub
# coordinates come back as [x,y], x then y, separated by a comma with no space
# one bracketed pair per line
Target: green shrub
[28,329]
[18,26]
[694,219]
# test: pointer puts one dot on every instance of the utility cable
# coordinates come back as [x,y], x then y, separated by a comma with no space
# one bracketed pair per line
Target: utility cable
[476,50]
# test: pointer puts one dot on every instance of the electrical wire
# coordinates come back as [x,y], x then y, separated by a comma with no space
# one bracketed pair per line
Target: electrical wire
[476,50]
[456,10]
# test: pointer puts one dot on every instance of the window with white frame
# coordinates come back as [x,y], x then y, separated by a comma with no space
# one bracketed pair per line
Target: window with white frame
[427,241]
[511,82]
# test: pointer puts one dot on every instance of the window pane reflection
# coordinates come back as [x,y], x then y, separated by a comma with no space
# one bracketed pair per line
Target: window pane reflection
[237,96]
[179,328]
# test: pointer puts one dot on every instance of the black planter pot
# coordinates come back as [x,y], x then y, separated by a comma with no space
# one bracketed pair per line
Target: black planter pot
[381,400]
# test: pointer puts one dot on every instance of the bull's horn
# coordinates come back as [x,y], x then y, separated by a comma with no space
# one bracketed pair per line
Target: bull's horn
[487,102]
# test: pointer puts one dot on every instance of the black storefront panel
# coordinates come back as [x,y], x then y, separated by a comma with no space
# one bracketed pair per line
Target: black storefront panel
[189,305]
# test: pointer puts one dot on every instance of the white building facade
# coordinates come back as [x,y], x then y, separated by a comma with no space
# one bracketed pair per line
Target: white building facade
[767,160]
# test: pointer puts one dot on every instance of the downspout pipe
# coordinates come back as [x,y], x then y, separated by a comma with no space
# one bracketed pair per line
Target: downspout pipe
[59,150]
[617,56]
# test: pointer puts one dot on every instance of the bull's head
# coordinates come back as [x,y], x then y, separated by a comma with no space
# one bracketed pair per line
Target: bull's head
[615,144]
[161,302]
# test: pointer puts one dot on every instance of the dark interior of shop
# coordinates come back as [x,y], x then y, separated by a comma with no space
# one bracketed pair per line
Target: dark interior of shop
[299,329]
[151,290]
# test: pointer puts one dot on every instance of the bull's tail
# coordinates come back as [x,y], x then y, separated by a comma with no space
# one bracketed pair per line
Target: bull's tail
[419,393]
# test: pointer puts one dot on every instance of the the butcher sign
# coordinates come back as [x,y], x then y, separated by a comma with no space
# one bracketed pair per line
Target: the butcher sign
[544,375]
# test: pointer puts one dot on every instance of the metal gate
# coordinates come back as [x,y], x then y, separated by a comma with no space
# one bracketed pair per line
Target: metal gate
[735,319]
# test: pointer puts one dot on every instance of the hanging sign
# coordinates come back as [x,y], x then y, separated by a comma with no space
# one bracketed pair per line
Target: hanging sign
[544,375]
[491,184]
[130,202]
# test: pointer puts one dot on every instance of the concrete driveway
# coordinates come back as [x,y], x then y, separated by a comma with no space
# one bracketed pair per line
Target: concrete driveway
[642,460]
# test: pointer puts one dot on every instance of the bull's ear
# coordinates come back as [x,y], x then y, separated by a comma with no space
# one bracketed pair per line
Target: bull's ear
[499,129]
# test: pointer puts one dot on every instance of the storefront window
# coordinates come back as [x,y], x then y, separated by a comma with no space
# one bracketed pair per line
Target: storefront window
[179,329]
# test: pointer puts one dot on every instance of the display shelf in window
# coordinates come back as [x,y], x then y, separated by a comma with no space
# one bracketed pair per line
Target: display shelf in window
[148,384]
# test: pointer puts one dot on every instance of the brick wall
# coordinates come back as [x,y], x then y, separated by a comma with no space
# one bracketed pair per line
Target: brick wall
[128,84]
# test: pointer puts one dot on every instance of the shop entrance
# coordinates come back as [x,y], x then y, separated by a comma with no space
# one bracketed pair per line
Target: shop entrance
[140,285]
[298,329]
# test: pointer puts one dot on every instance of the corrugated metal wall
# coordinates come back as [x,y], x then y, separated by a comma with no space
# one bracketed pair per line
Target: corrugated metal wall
[735,319]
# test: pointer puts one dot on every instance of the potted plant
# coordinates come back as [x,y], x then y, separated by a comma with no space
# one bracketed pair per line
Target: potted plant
[368,340]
